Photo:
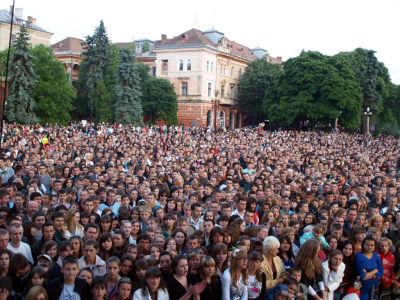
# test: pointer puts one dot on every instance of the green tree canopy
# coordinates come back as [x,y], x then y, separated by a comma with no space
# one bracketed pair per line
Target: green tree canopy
[128,107]
[53,92]
[314,87]
[21,104]
[257,78]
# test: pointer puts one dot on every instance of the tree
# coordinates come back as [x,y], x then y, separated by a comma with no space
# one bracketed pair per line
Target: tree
[128,107]
[53,92]
[257,78]
[102,103]
[146,46]
[21,104]
[314,87]
[372,98]
[94,65]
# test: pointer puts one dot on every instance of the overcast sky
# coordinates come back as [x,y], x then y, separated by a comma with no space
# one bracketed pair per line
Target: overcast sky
[282,27]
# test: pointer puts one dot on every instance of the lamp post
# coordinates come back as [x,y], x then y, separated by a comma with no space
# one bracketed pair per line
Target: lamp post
[336,120]
[213,111]
[367,114]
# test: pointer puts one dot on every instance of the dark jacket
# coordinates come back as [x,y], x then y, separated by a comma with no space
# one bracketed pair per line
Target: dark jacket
[55,287]
[37,247]
[18,283]
[54,272]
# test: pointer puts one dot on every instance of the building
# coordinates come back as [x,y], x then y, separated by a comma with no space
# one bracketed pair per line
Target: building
[69,51]
[37,34]
[205,68]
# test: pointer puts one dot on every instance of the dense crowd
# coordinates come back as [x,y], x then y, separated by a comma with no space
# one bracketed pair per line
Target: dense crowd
[111,212]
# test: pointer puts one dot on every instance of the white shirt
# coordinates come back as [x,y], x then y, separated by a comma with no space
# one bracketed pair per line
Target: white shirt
[235,212]
[23,249]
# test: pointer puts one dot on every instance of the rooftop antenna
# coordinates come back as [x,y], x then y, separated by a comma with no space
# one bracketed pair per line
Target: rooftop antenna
[213,21]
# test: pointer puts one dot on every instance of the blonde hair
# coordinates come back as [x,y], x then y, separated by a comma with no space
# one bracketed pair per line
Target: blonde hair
[69,221]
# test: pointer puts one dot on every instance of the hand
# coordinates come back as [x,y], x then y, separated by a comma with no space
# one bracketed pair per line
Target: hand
[329,248]
[198,288]
[281,280]
[4,294]
[299,295]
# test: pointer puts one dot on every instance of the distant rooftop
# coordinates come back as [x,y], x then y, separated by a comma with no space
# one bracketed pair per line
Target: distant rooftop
[68,45]
[5,17]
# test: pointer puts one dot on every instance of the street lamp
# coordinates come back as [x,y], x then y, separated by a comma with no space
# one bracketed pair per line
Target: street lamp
[336,120]
[367,114]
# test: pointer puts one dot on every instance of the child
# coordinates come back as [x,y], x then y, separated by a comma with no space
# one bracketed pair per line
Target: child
[358,236]
[316,233]
[301,292]
[91,259]
[124,289]
[112,276]
[69,286]
[144,213]
[388,263]
[99,288]
[332,241]
[333,273]
[292,285]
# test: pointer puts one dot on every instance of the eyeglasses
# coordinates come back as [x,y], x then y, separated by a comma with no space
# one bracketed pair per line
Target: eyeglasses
[243,259]
[194,250]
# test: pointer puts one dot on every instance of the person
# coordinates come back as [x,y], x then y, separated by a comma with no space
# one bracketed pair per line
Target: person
[90,259]
[368,266]
[294,273]
[37,293]
[98,288]
[64,249]
[113,267]
[124,289]
[207,273]
[152,287]
[311,268]
[235,279]
[333,273]
[73,228]
[19,271]
[69,286]
[183,285]
[16,246]
[86,274]
[220,256]
[272,265]
[388,263]
[37,277]
[281,292]
[257,280]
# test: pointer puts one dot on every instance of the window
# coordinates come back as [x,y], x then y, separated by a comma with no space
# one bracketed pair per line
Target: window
[221,69]
[232,72]
[209,89]
[212,67]
[232,91]
[224,69]
[181,65]
[240,73]
[208,65]
[184,88]
[222,91]
[222,119]
[154,71]
[189,64]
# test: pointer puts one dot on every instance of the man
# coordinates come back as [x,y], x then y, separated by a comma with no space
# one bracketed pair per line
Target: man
[47,235]
[246,182]
[392,205]
[394,235]
[110,203]
[351,218]
[4,239]
[19,272]
[5,172]
[195,221]
[16,232]
[91,231]
[240,208]
[57,218]
[248,218]
[44,178]
[90,259]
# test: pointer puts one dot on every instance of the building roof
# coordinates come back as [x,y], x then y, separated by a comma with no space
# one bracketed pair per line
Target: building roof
[69,44]
[5,17]
[190,37]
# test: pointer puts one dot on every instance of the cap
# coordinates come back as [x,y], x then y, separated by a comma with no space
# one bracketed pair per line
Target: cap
[141,202]
[45,256]
[282,289]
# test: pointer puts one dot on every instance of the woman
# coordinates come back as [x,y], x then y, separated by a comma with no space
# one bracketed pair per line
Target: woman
[127,263]
[50,248]
[72,224]
[105,224]
[272,265]
[368,266]
[37,293]
[37,277]
[348,260]
[77,246]
[235,278]
[238,228]
[333,272]
[152,287]
[311,267]
[286,252]
[183,285]
[180,237]
[165,264]
[170,205]
[169,223]
[256,288]
[207,273]
[220,256]
[5,256]
[29,232]
[107,247]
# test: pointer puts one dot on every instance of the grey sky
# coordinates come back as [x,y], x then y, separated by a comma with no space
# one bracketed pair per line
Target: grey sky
[283,27]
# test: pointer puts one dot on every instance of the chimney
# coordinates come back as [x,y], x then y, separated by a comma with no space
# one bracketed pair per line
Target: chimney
[30,19]
[11,9]
[18,13]
[33,21]
[279,58]
[163,37]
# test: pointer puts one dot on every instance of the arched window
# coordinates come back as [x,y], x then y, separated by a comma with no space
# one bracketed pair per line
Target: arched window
[240,73]
[189,65]
[212,67]
[224,69]
[232,70]
[208,65]
[181,65]
[221,68]
[222,119]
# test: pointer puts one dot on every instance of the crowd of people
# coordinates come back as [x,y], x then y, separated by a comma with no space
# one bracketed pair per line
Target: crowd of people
[112,212]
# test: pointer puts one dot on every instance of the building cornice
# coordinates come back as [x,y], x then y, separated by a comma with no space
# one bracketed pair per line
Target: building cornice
[28,29]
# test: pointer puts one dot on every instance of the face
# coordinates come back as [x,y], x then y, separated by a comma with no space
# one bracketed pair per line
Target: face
[126,267]
[140,273]
[180,238]
[87,276]
[384,247]
[118,240]
[113,269]
[90,252]
[124,291]
[4,261]
[70,271]
[165,262]
[155,253]
[182,268]
[348,250]
[369,246]
[153,282]
[171,244]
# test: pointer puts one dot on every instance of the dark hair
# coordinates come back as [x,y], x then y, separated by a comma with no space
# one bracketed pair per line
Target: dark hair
[27,232]
[69,259]
[254,256]
[152,272]
[18,262]
[103,238]
[367,239]
[140,264]
[5,283]
[176,260]
[42,274]
[99,281]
